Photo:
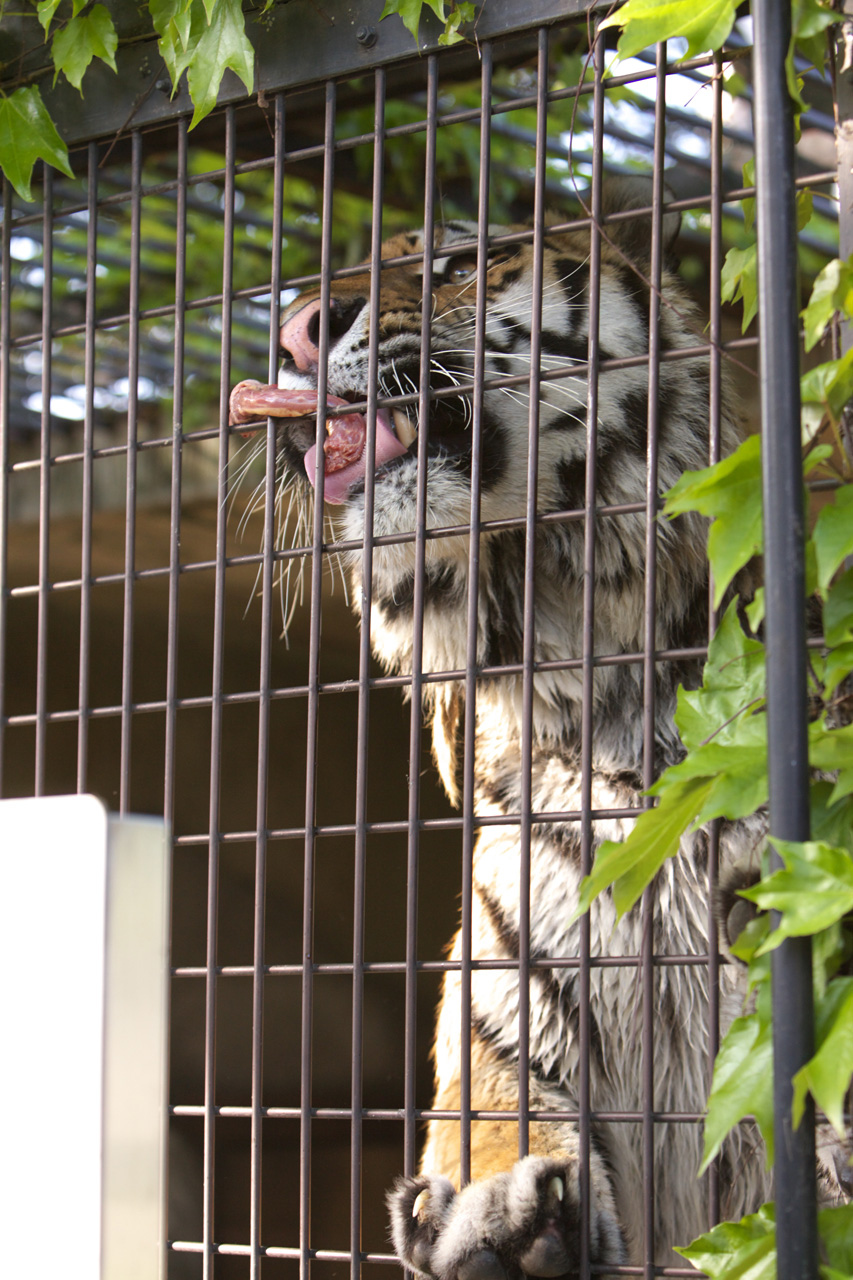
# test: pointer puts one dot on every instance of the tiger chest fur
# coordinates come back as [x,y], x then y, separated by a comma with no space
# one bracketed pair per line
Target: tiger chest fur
[523,1215]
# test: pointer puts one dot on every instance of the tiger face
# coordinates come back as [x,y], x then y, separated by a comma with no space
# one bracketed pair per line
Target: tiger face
[505,417]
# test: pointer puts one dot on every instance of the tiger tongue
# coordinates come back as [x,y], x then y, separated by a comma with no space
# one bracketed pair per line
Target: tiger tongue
[344,453]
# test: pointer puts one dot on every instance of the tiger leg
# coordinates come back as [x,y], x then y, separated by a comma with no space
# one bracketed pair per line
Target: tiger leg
[517,1217]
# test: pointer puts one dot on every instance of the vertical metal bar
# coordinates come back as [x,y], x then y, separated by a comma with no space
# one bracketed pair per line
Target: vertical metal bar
[416,704]
[5,340]
[588,649]
[264,689]
[714,424]
[177,460]
[469,737]
[44,481]
[529,607]
[217,706]
[88,437]
[130,481]
[784,577]
[313,699]
[650,603]
[360,867]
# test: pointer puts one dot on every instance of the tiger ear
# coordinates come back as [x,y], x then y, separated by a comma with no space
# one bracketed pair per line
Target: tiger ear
[445,738]
[634,235]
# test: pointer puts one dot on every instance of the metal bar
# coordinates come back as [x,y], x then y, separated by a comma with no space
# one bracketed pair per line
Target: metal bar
[44,482]
[216,710]
[715,373]
[529,605]
[313,701]
[469,736]
[170,759]
[360,868]
[417,688]
[784,578]
[649,668]
[87,505]
[130,478]
[588,654]
[264,706]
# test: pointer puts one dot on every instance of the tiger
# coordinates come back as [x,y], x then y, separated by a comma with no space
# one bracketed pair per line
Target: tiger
[522,1214]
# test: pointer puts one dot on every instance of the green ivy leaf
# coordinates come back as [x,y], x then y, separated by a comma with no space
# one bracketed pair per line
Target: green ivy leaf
[739,280]
[826,1076]
[837,666]
[809,21]
[45,10]
[27,134]
[832,291]
[832,823]
[739,1088]
[461,13]
[744,1250]
[733,680]
[739,775]
[829,385]
[833,535]
[755,609]
[90,35]
[835,1226]
[813,891]
[210,49]
[410,12]
[832,750]
[172,20]
[630,866]
[838,611]
[704,23]
[730,493]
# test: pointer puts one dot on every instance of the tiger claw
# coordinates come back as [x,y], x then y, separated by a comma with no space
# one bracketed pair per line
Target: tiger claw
[420,1201]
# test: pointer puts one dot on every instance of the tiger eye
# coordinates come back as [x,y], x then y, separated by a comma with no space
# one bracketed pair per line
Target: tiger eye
[462,269]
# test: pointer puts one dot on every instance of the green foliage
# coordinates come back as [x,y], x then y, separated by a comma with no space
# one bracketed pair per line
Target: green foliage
[705,24]
[827,1075]
[729,493]
[813,891]
[724,773]
[87,36]
[832,291]
[200,38]
[744,1250]
[739,281]
[27,134]
[453,13]
[723,724]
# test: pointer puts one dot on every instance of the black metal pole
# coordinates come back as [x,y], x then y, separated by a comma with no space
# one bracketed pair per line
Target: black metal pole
[793,1021]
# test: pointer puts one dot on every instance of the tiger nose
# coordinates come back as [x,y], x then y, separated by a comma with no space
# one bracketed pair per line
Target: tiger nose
[300,335]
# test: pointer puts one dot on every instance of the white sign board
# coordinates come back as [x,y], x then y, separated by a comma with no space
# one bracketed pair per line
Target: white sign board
[84,920]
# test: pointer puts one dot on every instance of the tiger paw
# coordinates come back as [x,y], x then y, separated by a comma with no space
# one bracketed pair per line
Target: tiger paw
[419,1209]
[524,1222]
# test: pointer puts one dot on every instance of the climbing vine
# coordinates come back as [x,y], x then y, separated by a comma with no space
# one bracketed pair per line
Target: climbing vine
[201,39]
[723,724]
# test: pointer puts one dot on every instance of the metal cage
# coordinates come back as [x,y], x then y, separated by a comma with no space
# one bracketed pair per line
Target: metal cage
[148,576]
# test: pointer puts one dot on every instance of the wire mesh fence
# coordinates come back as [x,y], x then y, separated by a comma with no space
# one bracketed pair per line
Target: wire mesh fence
[177,619]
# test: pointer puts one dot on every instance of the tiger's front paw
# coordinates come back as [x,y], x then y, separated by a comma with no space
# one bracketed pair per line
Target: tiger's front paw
[524,1222]
[419,1209]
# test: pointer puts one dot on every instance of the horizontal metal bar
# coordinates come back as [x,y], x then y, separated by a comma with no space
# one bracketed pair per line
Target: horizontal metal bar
[441,966]
[187,1110]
